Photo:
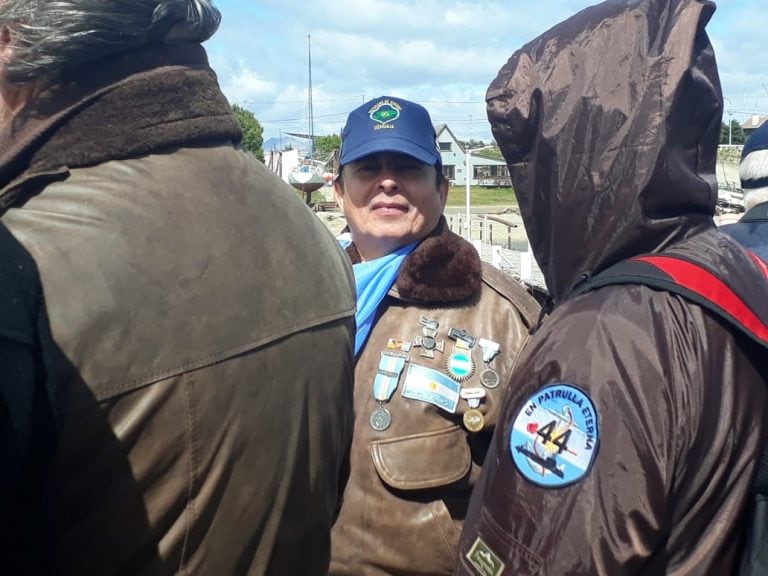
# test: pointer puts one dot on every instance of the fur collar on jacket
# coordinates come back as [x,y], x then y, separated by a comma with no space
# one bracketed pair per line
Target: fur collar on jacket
[443,268]
[119,107]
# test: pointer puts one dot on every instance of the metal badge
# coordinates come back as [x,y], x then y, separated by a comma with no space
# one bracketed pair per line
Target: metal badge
[396,344]
[461,335]
[385,382]
[490,349]
[460,364]
[429,324]
[472,395]
[474,421]
[380,419]
[489,378]
[428,345]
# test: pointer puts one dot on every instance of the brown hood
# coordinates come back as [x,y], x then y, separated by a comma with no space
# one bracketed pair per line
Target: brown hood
[610,123]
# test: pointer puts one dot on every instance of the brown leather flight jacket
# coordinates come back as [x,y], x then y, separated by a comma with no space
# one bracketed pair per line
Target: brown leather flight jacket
[199,322]
[630,437]
[409,485]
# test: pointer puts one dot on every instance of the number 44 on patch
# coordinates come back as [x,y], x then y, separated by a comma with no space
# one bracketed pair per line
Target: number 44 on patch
[554,437]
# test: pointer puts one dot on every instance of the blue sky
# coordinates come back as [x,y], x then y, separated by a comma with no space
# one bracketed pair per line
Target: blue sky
[441,53]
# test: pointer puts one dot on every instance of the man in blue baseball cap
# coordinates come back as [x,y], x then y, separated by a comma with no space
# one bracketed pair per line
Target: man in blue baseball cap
[752,229]
[437,336]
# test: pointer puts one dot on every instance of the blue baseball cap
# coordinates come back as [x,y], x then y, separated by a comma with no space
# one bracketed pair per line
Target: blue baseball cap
[388,124]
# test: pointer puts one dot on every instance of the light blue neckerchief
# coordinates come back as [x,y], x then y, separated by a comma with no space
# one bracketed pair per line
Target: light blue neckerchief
[373,280]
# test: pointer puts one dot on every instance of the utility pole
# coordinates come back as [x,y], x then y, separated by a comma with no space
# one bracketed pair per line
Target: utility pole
[467,165]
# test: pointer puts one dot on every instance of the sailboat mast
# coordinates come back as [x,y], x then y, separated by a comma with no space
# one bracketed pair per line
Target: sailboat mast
[311,112]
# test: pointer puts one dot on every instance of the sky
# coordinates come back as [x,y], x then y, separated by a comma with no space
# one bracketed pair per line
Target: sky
[440,53]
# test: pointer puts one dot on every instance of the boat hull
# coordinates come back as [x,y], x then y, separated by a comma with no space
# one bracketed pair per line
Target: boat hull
[306,181]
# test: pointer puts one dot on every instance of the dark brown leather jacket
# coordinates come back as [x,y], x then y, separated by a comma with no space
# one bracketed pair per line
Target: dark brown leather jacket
[200,323]
[409,485]
[630,438]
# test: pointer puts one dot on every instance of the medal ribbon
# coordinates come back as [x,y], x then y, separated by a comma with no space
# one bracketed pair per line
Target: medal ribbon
[387,375]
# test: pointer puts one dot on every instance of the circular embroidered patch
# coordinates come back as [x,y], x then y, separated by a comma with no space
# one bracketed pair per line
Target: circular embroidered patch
[460,365]
[554,437]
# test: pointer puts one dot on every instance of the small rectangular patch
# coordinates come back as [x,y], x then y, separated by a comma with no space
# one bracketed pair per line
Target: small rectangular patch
[484,560]
[428,385]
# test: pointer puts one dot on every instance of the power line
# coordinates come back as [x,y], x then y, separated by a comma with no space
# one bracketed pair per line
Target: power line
[280,102]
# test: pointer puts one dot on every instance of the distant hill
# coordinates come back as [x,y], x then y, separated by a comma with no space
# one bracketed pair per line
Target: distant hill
[286,142]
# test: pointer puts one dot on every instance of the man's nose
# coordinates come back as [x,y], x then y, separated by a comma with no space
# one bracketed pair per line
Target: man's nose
[388,180]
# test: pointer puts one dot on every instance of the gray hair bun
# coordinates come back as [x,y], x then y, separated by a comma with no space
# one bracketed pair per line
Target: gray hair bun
[178,21]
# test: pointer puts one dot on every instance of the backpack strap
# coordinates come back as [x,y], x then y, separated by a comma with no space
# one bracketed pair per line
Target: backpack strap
[691,281]
[702,287]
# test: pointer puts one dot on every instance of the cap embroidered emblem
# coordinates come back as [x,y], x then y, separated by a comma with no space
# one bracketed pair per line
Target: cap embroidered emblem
[385,112]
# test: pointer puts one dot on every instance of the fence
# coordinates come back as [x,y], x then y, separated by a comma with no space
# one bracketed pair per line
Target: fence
[501,243]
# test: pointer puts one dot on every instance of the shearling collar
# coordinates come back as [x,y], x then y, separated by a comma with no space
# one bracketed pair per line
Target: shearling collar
[119,107]
[444,268]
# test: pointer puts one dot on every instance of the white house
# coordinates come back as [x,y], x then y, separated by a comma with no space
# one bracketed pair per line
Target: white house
[484,171]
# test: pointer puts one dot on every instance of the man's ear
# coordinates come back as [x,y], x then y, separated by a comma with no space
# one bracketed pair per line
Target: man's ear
[443,190]
[338,191]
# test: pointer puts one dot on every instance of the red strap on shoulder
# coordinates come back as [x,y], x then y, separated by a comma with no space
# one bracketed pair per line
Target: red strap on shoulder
[709,286]
[760,262]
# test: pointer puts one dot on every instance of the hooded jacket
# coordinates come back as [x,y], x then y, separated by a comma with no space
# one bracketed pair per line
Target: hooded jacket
[629,442]
[409,484]
[752,230]
[196,391]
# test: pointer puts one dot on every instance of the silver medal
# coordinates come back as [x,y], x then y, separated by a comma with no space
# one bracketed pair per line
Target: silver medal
[489,378]
[381,419]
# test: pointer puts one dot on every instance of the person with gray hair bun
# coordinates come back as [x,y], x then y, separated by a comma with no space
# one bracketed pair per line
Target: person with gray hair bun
[176,338]
[53,37]
[752,229]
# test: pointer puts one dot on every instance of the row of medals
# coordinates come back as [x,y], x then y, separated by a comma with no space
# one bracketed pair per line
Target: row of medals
[459,366]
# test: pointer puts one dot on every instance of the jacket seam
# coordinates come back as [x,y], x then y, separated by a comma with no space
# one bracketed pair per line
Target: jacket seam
[446,540]
[515,293]
[215,357]
[190,513]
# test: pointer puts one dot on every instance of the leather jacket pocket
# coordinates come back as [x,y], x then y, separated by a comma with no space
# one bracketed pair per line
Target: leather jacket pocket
[422,461]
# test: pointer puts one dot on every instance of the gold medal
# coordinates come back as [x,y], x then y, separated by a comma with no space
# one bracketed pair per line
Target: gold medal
[474,420]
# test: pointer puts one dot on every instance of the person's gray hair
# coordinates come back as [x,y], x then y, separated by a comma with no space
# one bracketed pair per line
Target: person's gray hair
[754,196]
[52,36]
[754,167]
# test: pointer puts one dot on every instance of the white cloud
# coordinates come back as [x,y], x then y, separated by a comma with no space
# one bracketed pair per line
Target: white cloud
[441,53]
